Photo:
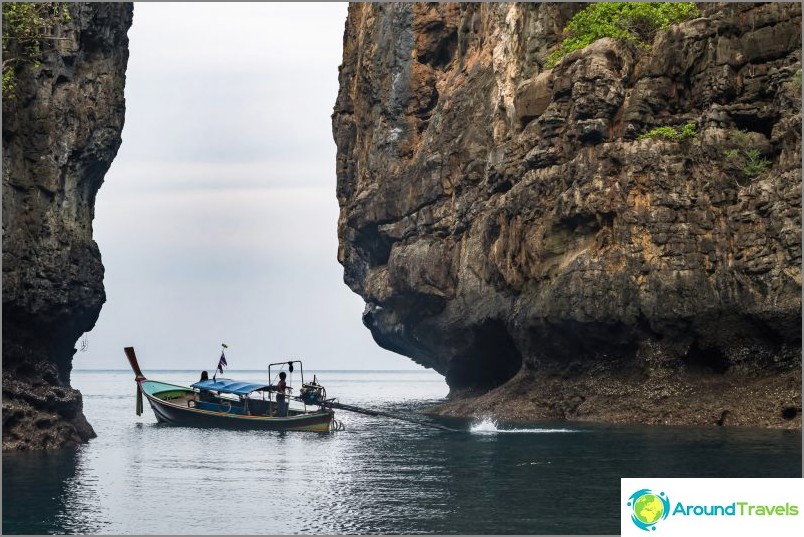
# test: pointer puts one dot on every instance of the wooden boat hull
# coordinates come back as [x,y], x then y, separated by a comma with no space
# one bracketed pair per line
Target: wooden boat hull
[178,412]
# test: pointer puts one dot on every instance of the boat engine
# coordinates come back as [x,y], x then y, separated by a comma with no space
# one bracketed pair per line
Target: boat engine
[312,393]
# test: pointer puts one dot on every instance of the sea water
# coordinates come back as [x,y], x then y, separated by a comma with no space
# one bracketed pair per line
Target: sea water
[376,476]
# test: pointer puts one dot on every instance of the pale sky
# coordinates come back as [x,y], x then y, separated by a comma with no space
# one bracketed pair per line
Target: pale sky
[217,221]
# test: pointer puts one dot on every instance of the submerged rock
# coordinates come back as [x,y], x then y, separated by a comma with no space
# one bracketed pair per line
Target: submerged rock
[507,225]
[61,130]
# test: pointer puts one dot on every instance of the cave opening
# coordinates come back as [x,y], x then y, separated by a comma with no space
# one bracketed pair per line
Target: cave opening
[442,53]
[374,245]
[752,123]
[490,360]
[706,360]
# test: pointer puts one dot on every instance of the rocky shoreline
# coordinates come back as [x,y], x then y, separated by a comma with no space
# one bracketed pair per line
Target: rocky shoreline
[769,402]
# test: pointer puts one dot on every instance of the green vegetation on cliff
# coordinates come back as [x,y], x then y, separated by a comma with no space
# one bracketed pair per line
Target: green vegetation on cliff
[672,134]
[637,22]
[744,157]
[25,26]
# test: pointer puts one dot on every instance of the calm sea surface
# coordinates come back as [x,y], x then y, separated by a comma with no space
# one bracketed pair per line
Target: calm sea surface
[377,476]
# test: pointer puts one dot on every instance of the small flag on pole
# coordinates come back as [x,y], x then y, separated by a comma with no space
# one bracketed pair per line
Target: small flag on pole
[222,362]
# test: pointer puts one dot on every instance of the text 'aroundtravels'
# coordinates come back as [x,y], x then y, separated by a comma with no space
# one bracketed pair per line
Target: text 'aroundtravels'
[736,509]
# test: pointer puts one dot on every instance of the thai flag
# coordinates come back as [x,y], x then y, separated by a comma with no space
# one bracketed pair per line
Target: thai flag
[222,362]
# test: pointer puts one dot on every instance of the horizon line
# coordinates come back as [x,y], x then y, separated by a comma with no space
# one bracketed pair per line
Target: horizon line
[312,369]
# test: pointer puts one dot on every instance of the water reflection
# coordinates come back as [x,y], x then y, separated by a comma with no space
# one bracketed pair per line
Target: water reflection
[39,493]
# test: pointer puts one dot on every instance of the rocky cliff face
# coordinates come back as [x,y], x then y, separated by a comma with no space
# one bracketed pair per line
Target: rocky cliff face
[61,130]
[507,226]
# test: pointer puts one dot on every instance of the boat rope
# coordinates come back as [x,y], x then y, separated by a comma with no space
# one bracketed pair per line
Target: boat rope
[378,413]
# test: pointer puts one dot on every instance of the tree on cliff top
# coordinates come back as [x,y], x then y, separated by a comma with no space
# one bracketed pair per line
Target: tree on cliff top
[26,25]
[637,22]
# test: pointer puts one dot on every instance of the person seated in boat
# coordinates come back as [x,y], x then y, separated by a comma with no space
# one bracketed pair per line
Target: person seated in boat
[281,404]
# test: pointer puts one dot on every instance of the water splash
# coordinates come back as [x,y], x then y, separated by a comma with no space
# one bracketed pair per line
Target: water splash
[489,426]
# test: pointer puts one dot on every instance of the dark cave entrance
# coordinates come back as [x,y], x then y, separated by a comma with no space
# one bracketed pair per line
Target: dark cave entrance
[706,360]
[753,123]
[373,245]
[490,360]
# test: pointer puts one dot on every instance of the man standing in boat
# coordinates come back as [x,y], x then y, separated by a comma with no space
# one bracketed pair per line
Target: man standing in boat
[282,406]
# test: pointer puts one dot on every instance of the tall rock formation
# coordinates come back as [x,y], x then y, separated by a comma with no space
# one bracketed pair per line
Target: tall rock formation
[507,225]
[61,130]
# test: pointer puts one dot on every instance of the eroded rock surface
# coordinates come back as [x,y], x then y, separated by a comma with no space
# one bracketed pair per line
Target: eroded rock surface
[507,227]
[61,130]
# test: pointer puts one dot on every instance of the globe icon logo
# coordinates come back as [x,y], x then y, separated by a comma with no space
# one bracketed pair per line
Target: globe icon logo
[648,508]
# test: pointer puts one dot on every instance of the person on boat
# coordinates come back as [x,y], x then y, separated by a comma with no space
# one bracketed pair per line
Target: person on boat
[281,404]
[204,395]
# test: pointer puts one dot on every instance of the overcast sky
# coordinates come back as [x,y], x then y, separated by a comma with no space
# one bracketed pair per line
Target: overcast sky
[217,220]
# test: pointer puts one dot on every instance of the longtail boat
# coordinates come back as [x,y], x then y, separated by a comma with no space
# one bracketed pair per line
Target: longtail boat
[229,403]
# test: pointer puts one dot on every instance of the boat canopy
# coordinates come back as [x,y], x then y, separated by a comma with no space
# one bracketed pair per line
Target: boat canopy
[238,387]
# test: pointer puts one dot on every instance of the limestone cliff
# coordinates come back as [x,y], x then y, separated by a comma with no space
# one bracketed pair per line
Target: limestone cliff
[61,130]
[507,225]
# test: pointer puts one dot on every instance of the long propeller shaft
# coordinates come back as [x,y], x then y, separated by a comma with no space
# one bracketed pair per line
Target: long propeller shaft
[378,413]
